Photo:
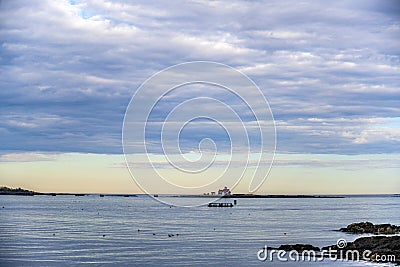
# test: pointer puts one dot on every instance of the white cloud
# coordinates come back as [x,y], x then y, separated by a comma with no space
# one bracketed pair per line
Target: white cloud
[28,157]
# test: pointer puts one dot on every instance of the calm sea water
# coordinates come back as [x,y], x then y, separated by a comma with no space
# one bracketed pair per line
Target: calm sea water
[68,230]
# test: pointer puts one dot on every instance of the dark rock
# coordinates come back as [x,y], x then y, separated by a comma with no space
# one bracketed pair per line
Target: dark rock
[378,245]
[16,191]
[299,247]
[370,228]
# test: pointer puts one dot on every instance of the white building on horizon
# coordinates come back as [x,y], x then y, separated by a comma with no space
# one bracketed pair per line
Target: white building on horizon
[224,192]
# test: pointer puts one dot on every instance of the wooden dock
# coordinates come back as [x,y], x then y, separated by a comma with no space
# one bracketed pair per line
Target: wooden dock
[220,204]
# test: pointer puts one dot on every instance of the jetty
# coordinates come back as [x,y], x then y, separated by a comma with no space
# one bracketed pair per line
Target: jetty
[220,204]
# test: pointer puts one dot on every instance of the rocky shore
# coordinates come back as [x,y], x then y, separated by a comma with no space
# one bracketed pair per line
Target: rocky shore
[370,228]
[299,247]
[377,248]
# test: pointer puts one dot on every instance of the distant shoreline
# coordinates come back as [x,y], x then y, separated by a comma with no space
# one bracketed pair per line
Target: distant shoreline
[23,192]
[260,196]
[64,194]
[290,196]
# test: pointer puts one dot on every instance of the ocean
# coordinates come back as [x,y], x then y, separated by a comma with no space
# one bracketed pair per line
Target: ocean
[140,231]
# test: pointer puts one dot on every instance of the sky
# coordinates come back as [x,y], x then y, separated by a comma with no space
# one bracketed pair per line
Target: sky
[329,70]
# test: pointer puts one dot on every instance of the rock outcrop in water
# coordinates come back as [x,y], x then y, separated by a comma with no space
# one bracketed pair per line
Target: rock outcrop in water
[370,228]
[378,248]
[381,248]
[299,247]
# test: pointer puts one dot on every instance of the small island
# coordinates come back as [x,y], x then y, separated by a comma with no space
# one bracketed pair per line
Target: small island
[227,193]
[4,190]
[16,191]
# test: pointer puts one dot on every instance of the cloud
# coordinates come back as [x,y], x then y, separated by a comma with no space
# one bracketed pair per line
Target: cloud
[28,157]
[343,162]
[339,135]
[193,161]
[329,70]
